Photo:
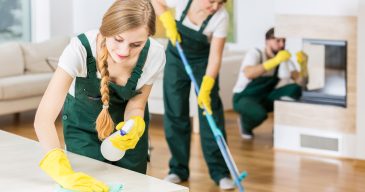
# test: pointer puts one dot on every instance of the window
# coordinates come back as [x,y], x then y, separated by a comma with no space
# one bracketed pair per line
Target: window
[15,20]
[231,27]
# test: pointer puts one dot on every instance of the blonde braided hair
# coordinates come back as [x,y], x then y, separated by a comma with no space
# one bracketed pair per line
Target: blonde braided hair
[104,122]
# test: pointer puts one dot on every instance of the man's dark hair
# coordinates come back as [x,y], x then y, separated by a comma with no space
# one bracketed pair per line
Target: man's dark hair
[270,34]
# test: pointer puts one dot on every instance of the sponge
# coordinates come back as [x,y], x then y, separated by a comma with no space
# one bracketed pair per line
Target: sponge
[112,188]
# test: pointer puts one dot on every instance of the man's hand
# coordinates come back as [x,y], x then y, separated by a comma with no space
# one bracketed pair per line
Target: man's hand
[302,59]
[282,56]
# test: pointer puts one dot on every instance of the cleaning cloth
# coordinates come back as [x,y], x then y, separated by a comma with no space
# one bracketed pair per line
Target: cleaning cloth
[112,188]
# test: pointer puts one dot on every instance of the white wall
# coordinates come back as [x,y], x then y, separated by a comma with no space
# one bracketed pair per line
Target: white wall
[252,20]
[360,151]
[87,14]
[69,17]
[317,7]
[40,14]
[313,7]
[61,17]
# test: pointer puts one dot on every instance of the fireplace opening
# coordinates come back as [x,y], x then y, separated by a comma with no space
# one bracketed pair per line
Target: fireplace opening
[327,65]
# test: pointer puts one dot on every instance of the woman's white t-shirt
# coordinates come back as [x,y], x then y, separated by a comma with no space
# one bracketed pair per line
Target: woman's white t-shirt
[216,27]
[73,60]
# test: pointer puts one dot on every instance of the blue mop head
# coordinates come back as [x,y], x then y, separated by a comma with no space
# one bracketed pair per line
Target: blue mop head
[112,188]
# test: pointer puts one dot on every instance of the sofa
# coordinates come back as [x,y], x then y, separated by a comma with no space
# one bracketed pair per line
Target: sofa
[25,71]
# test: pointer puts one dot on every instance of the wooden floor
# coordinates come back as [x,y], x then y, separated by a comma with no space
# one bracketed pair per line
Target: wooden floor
[268,169]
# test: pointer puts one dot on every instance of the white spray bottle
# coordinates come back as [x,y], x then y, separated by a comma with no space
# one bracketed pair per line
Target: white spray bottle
[107,149]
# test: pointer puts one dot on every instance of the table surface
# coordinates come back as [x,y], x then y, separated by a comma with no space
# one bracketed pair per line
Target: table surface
[19,170]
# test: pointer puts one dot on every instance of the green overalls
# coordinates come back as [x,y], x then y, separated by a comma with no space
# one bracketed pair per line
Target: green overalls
[80,113]
[176,91]
[257,99]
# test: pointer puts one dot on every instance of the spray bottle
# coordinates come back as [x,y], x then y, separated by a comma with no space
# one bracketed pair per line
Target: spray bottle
[107,149]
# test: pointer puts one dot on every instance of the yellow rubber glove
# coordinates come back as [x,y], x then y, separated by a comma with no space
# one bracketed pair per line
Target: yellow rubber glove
[302,59]
[169,24]
[204,93]
[130,140]
[282,56]
[56,165]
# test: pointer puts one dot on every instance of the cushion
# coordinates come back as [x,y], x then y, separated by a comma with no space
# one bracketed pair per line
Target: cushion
[52,62]
[11,59]
[36,54]
[22,86]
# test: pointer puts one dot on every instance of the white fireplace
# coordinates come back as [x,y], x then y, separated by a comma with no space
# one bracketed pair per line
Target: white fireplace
[326,128]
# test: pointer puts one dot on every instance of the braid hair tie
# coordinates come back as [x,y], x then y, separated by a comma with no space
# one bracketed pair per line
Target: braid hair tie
[105,106]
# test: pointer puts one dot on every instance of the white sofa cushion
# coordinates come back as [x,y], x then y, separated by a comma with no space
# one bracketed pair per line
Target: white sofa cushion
[11,62]
[35,54]
[22,86]
[52,62]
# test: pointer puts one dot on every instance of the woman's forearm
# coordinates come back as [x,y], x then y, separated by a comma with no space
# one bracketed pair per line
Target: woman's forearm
[47,136]
[213,69]
[134,112]
[137,104]
[215,57]
[159,6]
[49,109]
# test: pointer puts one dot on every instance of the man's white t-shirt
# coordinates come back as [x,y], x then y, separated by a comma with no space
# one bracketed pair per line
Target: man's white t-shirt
[253,57]
[73,60]
[216,27]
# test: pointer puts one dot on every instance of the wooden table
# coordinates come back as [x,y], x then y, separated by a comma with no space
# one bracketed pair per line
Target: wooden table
[19,171]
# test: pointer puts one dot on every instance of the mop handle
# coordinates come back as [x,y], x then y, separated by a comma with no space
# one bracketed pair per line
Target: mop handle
[187,67]
[217,133]
[189,71]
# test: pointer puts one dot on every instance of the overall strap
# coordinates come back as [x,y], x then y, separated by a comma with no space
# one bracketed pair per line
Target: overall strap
[137,71]
[185,12]
[261,55]
[90,60]
[205,23]
[262,60]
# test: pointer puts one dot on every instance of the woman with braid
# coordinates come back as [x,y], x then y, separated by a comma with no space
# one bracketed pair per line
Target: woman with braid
[103,79]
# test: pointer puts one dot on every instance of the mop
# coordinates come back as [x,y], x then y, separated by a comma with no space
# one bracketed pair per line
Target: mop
[216,132]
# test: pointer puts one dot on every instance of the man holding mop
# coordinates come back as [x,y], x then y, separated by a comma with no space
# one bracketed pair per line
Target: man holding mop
[201,27]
